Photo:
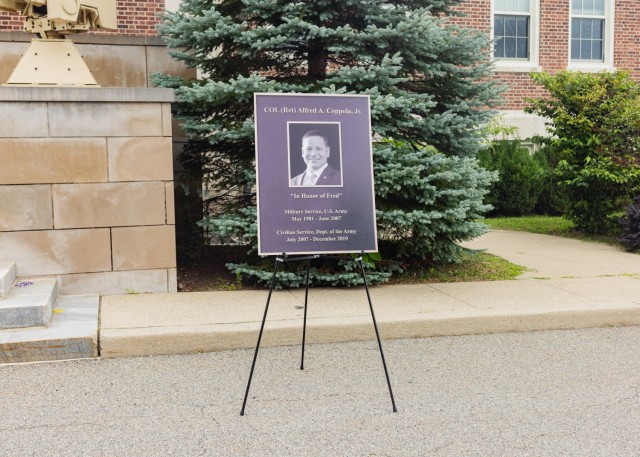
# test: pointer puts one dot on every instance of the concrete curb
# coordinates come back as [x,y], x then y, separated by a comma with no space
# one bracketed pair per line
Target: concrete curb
[203,322]
[571,284]
[212,338]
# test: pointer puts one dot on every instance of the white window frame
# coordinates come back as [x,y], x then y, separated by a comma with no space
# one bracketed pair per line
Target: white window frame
[172,5]
[519,65]
[607,42]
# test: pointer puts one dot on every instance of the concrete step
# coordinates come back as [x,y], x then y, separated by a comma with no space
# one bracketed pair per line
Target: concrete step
[72,334]
[7,277]
[29,303]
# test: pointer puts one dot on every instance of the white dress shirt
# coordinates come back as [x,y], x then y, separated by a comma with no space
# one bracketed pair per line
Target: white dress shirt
[311,176]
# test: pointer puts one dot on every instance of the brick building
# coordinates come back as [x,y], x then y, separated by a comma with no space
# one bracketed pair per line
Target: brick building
[530,36]
[134,17]
[554,35]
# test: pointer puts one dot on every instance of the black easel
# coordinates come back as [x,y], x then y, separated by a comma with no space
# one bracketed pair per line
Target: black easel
[286,258]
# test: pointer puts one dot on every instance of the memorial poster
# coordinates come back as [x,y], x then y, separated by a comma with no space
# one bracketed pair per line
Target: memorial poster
[314,170]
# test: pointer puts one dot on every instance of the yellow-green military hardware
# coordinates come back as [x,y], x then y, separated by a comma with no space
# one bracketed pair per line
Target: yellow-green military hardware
[52,59]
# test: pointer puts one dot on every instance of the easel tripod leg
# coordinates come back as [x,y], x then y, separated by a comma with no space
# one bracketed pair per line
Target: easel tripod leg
[264,318]
[304,325]
[375,326]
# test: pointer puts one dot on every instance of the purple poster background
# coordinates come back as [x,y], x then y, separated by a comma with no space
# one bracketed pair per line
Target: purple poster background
[338,217]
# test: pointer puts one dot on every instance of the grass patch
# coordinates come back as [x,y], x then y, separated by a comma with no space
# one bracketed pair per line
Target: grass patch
[548,225]
[474,266]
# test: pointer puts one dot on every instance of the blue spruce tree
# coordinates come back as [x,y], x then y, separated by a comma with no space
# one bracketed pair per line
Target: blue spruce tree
[429,81]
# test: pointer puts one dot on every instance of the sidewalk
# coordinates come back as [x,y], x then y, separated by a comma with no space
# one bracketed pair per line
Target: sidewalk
[570,284]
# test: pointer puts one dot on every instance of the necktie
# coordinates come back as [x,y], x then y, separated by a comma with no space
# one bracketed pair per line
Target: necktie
[310,179]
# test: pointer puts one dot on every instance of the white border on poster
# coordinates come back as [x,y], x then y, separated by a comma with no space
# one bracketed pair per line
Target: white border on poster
[339,141]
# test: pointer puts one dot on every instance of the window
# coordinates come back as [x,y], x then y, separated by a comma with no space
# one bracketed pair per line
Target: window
[515,34]
[591,44]
[587,30]
[511,31]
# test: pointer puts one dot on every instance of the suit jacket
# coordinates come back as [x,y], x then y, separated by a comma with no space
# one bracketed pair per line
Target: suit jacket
[329,177]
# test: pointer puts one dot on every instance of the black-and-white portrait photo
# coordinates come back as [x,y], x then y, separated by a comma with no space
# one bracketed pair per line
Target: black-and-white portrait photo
[314,154]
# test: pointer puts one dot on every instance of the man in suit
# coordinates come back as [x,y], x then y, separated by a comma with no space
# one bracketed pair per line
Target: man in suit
[315,152]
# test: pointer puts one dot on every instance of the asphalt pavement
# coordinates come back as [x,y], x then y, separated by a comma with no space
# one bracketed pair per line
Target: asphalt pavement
[487,393]
[558,393]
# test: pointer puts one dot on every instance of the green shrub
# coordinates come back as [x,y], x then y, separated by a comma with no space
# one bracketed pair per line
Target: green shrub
[323,273]
[427,202]
[595,133]
[520,181]
[631,226]
[552,199]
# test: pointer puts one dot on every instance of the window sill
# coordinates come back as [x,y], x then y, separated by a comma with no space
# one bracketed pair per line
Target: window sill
[590,67]
[502,66]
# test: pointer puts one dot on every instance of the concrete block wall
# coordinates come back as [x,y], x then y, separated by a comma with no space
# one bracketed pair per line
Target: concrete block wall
[86,187]
[117,61]
[114,60]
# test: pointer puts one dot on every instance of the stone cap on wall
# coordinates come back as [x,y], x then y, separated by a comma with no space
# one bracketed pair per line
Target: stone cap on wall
[88,38]
[88,94]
